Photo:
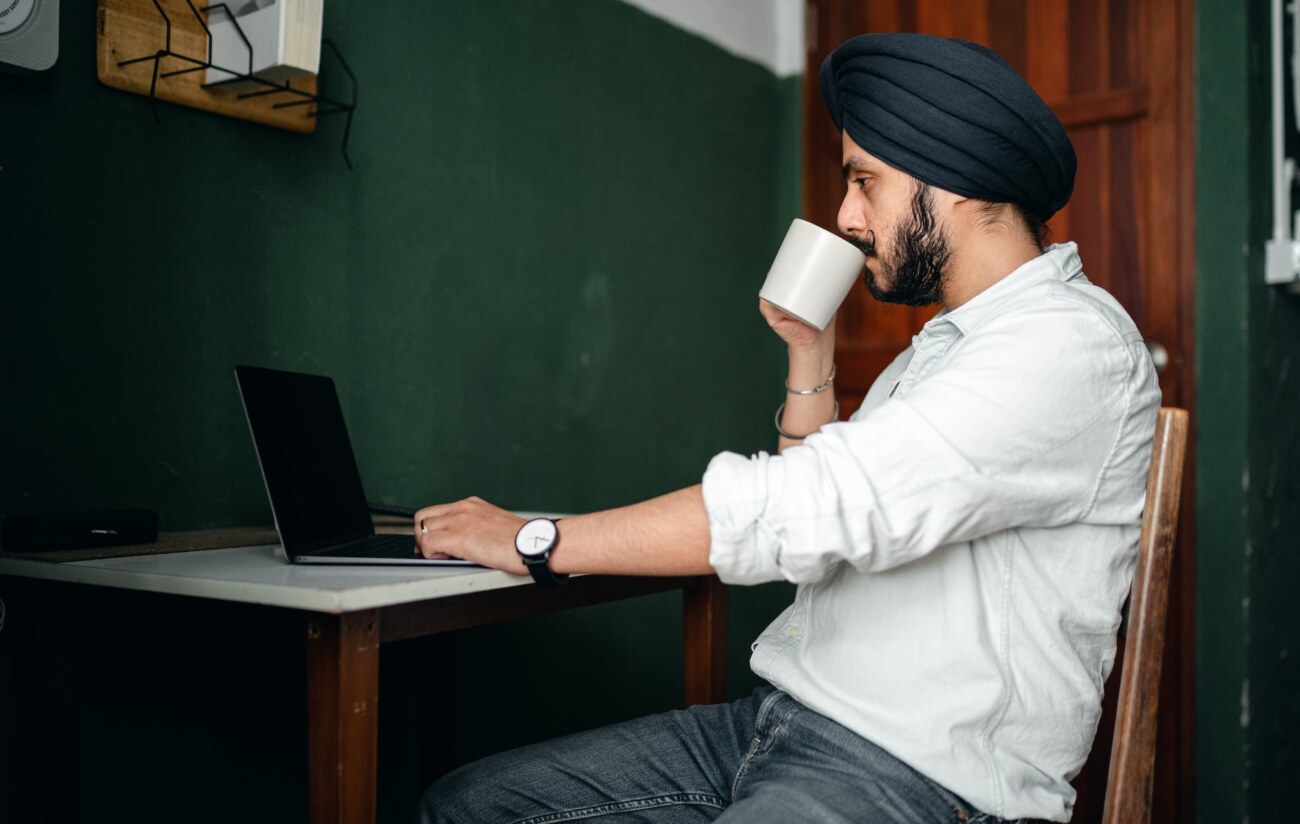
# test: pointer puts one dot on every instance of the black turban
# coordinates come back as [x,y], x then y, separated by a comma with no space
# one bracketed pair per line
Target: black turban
[953,114]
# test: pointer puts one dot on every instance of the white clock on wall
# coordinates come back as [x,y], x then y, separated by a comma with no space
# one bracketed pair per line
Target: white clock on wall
[29,35]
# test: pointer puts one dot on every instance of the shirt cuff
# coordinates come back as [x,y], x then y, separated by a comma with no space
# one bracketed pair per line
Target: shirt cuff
[743,548]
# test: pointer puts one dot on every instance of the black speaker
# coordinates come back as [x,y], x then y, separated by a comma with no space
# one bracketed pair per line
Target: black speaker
[79,530]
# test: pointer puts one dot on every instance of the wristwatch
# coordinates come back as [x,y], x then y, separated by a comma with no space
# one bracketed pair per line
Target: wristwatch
[535,542]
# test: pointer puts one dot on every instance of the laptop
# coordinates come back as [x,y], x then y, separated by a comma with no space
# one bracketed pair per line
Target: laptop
[311,475]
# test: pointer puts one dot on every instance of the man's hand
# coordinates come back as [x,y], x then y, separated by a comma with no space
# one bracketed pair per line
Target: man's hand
[797,334]
[473,530]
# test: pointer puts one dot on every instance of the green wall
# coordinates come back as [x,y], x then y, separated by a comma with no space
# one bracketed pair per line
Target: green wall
[538,286]
[1248,442]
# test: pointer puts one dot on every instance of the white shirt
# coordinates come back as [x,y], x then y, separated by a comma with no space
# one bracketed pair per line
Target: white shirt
[964,543]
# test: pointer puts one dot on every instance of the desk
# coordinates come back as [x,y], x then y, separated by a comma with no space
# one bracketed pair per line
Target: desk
[342,615]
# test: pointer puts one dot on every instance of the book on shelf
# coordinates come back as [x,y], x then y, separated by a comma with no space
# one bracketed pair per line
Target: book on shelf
[284,36]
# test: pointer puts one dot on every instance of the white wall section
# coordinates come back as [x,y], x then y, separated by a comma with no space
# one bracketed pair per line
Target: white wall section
[769,32]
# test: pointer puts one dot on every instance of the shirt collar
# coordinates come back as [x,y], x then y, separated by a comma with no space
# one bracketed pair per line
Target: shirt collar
[1059,261]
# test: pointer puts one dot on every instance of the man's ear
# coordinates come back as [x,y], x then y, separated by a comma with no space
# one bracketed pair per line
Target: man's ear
[950,203]
[951,200]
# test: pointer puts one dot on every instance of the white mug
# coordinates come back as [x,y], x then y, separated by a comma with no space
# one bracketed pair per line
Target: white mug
[812,273]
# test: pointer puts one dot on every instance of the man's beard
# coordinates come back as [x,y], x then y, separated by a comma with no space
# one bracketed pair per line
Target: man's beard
[917,260]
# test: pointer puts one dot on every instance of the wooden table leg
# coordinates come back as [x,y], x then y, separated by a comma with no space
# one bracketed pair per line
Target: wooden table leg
[342,716]
[705,625]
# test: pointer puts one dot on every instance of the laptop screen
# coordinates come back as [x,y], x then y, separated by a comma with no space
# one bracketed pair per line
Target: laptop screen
[302,443]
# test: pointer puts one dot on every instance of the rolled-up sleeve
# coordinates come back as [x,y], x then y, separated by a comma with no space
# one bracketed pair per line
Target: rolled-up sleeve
[1014,429]
[743,547]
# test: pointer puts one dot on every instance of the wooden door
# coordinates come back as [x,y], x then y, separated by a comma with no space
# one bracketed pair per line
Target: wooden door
[1118,73]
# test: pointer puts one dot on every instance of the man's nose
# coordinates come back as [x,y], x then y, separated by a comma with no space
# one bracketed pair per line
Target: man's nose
[852,221]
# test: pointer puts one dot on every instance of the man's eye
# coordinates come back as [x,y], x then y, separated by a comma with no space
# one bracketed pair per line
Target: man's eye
[861,181]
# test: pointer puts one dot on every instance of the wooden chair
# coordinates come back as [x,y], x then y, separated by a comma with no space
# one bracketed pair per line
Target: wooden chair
[1133,751]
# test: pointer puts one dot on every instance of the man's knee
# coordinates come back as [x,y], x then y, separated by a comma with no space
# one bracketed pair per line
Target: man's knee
[450,799]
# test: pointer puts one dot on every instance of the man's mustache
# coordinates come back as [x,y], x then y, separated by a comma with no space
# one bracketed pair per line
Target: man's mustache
[867,244]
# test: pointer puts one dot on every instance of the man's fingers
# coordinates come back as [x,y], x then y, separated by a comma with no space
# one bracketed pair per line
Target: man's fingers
[433,545]
[435,534]
[432,554]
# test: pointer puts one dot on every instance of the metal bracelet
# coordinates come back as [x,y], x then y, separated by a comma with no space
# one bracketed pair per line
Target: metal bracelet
[835,416]
[816,390]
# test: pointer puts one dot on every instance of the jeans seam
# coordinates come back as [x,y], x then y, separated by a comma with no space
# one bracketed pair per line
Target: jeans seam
[780,725]
[763,709]
[744,765]
[653,802]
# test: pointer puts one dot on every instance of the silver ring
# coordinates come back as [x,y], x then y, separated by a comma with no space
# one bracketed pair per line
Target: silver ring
[424,530]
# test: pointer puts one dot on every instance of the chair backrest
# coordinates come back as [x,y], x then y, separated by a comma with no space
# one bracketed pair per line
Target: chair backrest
[1133,751]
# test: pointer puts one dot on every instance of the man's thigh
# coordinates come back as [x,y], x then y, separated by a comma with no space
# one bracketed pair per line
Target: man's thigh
[672,767]
[806,769]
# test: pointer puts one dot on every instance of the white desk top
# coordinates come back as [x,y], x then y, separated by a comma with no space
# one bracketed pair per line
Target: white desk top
[260,575]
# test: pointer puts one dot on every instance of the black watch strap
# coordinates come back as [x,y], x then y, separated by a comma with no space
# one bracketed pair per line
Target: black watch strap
[543,574]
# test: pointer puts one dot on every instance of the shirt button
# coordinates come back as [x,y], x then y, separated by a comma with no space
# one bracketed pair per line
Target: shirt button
[793,632]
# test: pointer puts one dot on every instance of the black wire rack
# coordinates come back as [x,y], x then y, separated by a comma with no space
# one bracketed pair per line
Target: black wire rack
[324,105]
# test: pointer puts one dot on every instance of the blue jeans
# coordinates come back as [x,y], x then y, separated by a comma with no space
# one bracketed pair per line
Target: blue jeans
[765,758]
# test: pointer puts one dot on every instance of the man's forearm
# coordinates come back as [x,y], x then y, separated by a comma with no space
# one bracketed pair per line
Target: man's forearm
[668,535]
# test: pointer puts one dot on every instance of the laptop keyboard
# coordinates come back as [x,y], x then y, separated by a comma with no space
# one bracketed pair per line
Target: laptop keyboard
[375,546]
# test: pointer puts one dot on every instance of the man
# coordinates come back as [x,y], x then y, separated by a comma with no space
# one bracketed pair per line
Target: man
[962,544]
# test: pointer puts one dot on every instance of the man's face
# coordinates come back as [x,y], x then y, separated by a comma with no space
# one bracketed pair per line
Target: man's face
[890,216]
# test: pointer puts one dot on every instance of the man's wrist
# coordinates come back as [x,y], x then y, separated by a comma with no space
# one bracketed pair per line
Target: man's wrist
[535,543]
[813,390]
[808,369]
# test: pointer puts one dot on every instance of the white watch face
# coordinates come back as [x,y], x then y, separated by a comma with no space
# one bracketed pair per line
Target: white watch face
[536,536]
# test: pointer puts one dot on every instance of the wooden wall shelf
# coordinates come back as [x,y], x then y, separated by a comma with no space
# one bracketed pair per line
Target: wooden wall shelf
[131,29]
